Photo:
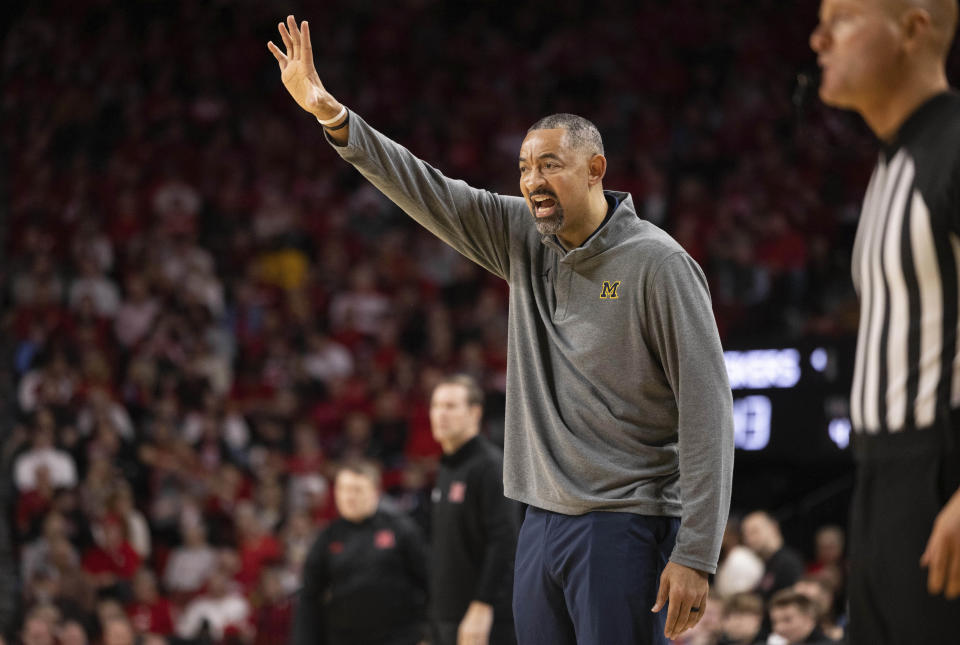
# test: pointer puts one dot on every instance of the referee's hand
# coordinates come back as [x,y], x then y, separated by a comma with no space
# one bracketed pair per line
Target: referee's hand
[942,555]
[684,591]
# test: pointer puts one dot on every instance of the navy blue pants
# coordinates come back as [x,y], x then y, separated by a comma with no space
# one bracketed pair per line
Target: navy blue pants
[590,579]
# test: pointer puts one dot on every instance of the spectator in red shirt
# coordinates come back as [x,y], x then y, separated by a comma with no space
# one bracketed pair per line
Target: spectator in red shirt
[274,616]
[112,563]
[149,612]
[257,547]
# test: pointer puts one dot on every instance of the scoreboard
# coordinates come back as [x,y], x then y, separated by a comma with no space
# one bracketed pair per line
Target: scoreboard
[791,403]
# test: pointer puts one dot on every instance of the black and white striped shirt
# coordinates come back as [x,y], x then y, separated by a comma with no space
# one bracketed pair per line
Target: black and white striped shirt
[905,268]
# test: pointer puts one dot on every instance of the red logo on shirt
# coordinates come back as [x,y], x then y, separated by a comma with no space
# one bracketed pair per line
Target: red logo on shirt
[384,539]
[140,617]
[336,547]
[457,492]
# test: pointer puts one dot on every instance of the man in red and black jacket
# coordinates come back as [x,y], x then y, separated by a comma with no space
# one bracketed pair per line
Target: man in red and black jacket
[474,527]
[365,578]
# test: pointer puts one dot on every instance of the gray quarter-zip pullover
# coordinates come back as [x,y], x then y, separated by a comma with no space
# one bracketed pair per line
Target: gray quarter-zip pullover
[617,392]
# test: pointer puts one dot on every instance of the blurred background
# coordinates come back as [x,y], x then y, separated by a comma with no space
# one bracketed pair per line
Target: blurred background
[203,310]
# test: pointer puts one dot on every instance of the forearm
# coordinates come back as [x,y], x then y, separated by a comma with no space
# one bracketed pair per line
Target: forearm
[496,569]
[474,222]
[501,531]
[706,468]
[694,365]
[308,626]
[706,452]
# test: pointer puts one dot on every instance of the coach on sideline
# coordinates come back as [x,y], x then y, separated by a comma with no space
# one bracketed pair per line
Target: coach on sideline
[474,527]
[617,394]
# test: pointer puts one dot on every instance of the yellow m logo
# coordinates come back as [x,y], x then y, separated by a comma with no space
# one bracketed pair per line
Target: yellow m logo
[609,290]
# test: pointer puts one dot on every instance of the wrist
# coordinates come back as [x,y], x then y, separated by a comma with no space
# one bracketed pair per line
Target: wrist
[330,110]
[480,607]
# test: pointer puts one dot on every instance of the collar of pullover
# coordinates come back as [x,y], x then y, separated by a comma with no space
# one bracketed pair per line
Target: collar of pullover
[463,453]
[615,228]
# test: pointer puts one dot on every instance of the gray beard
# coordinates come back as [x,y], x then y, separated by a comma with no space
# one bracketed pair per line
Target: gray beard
[551,224]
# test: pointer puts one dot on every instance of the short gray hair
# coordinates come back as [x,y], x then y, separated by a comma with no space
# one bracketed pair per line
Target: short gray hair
[581,133]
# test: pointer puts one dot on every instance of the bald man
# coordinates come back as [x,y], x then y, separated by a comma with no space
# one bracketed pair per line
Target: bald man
[886,60]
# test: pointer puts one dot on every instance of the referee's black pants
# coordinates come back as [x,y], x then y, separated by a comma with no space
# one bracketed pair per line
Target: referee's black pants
[903,480]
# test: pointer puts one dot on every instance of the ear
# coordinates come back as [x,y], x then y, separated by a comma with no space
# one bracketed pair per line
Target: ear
[596,169]
[917,26]
[476,411]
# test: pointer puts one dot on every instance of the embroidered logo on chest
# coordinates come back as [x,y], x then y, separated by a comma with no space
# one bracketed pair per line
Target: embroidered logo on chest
[384,539]
[458,490]
[609,290]
[336,548]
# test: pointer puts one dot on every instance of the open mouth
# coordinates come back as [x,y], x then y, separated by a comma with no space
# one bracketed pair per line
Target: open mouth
[543,205]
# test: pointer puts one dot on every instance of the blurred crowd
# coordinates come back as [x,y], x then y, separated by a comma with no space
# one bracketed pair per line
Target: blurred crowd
[204,311]
[766,593]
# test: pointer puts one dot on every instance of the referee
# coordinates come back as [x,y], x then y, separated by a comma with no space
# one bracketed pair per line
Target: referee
[886,60]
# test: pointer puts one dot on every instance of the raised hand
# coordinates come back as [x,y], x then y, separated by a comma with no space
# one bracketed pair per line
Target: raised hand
[298,73]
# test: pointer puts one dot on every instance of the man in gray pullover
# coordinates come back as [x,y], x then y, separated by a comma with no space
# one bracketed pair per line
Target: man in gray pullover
[619,414]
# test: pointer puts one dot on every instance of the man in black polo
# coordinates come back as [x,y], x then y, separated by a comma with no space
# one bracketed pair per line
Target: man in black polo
[474,529]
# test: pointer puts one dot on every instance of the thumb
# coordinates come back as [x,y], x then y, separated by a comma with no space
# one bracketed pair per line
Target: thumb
[662,594]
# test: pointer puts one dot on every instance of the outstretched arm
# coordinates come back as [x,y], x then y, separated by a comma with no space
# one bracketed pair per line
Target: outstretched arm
[299,76]
[474,222]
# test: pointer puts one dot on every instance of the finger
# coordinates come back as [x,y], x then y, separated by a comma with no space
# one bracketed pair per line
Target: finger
[693,617]
[702,604]
[674,607]
[277,54]
[285,36]
[305,41]
[953,575]
[687,618]
[294,35]
[937,571]
[662,595]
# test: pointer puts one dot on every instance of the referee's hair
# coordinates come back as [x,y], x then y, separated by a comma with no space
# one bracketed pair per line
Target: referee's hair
[791,598]
[582,134]
[474,393]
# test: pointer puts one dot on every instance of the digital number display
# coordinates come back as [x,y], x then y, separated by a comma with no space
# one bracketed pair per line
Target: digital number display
[791,402]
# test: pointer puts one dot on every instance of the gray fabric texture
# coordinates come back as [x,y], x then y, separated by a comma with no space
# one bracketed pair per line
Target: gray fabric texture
[616,400]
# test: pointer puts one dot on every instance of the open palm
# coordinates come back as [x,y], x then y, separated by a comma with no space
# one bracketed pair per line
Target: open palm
[297,71]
